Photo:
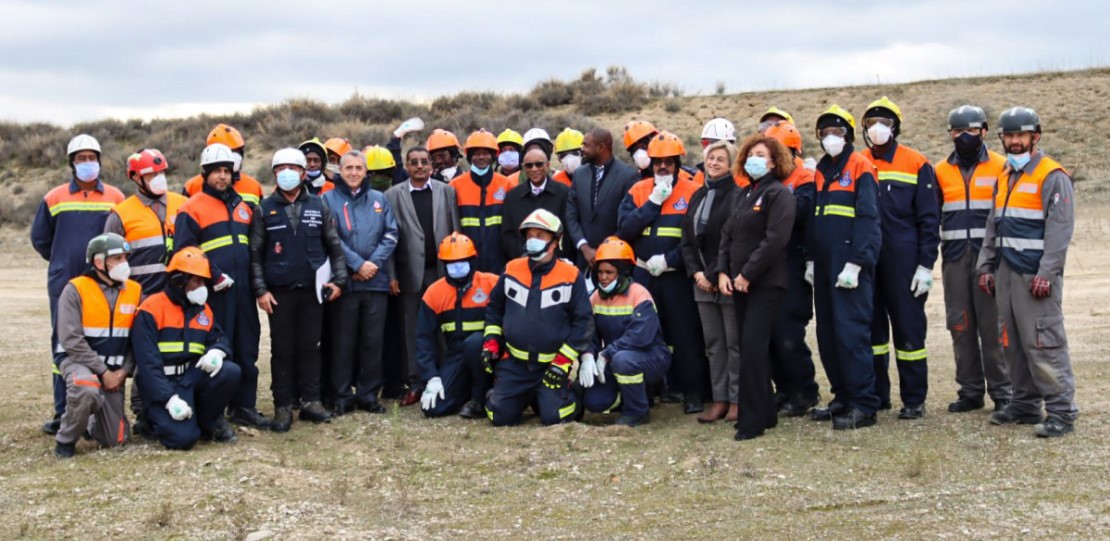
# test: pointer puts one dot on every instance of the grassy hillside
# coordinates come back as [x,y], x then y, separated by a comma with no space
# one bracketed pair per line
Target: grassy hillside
[1070,103]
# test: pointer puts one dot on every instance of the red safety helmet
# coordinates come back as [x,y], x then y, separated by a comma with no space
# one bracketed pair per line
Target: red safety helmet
[146,161]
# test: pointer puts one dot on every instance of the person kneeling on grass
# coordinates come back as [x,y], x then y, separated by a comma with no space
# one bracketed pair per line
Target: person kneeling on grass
[634,353]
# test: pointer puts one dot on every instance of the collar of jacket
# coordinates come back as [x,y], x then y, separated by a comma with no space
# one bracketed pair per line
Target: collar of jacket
[887,156]
[543,268]
[765,180]
[177,295]
[277,196]
[828,164]
[90,271]
[984,155]
[75,187]
[482,180]
[344,189]
[722,183]
[228,196]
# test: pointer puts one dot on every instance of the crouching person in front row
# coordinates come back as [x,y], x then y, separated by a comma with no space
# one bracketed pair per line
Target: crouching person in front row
[629,352]
[94,317]
[180,352]
[539,316]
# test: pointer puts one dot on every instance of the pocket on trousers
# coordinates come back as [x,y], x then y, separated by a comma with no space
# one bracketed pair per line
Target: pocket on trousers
[1050,332]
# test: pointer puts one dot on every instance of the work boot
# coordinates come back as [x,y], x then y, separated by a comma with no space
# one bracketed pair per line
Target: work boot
[827,413]
[314,411]
[733,413]
[52,426]
[670,396]
[966,404]
[1006,417]
[885,406]
[853,419]
[630,421]
[473,410]
[692,404]
[1052,428]
[780,400]
[283,419]
[1000,405]
[249,417]
[912,412]
[222,432]
[341,409]
[744,436]
[65,450]
[716,412]
[372,406]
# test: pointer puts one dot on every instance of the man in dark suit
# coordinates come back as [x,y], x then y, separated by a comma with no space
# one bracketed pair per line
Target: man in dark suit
[537,190]
[596,194]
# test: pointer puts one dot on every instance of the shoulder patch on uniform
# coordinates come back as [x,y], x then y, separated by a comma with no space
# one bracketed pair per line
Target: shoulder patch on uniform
[500,195]
[681,204]
[479,296]
[243,213]
[845,179]
[202,320]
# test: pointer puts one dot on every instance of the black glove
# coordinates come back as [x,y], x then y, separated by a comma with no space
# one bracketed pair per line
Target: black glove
[555,377]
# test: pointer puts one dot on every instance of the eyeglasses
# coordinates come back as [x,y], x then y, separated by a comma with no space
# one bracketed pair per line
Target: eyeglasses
[420,161]
[871,121]
[535,165]
[838,131]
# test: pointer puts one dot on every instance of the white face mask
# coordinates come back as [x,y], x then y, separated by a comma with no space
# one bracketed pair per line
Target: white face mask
[641,158]
[333,169]
[879,134]
[319,181]
[198,296]
[833,144]
[449,172]
[120,273]
[571,162]
[157,185]
[236,162]
[664,180]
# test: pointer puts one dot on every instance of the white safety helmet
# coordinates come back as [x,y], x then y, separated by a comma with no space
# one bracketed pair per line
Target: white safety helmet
[539,136]
[289,156]
[719,129]
[542,219]
[218,153]
[83,141]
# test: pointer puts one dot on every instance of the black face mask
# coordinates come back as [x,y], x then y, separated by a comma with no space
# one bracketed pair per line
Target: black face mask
[968,146]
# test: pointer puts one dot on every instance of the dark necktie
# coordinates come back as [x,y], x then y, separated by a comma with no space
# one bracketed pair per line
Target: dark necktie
[598,173]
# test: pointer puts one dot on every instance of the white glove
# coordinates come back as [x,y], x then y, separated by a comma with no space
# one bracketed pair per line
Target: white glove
[178,408]
[587,369]
[223,283]
[849,277]
[656,264]
[432,390]
[809,272]
[212,362]
[602,360]
[922,281]
[810,164]
[408,126]
[660,193]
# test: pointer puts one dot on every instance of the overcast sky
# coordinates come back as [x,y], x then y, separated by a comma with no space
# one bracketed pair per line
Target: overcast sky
[70,61]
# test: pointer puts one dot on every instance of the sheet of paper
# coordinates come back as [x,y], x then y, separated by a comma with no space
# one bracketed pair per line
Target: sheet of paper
[323,276]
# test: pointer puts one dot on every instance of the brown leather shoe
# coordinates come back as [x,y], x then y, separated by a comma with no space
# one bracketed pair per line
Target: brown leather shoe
[733,413]
[715,412]
[410,398]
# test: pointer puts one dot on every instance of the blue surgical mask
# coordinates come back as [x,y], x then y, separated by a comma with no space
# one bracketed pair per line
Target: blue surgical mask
[288,179]
[314,173]
[509,158]
[1018,161]
[755,167]
[87,171]
[536,248]
[479,171]
[458,269]
[609,288]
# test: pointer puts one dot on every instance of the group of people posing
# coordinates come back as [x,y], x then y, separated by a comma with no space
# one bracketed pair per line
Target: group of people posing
[602,287]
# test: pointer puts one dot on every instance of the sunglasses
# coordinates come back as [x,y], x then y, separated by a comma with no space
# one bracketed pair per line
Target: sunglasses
[534,165]
[421,161]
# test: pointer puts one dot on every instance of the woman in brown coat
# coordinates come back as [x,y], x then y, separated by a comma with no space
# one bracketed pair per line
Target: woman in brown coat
[751,266]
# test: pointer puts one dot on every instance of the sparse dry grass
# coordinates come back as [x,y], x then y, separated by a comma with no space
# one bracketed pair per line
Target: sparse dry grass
[398,476]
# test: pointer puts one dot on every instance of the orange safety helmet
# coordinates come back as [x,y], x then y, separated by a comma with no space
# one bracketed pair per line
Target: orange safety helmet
[666,145]
[636,130]
[190,260]
[786,134]
[456,247]
[440,139]
[338,145]
[481,139]
[226,135]
[146,161]
[615,249]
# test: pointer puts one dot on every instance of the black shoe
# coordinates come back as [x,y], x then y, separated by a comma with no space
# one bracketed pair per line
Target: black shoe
[912,412]
[627,420]
[1005,417]
[828,413]
[341,409]
[744,436]
[222,432]
[886,406]
[966,404]
[65,450]
[1052,428]
[372,407]
[692,404]
[52,426]
[798,406]
[249,417]
[851,420]
[473,410]
[315,412]
[145,429]
[670,397]
[283,419]
[1000,405]
[780,401]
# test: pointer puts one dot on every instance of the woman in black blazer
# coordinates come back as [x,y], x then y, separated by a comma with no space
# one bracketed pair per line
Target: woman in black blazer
[751,267]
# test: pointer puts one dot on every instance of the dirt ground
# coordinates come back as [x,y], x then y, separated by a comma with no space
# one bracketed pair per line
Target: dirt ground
[398,476]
